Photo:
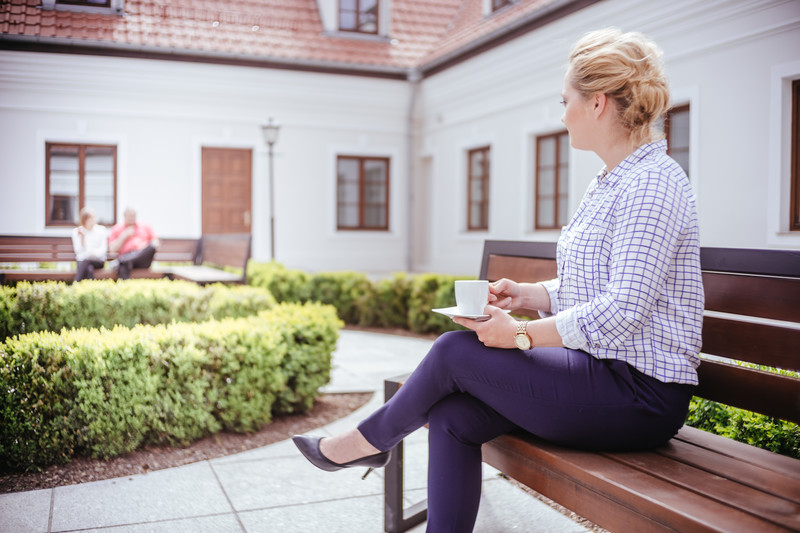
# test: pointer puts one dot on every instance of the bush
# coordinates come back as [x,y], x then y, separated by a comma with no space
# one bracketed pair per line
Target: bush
[389,307]
[284,284]
[752,428]
[51,306]
[403,301]
[431,291]
[104,392]
[350,292]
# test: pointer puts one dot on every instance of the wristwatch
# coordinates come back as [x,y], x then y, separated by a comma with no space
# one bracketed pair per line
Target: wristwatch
[522,339]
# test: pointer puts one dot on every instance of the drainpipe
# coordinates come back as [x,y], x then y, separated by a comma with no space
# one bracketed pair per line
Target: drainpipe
[414,78]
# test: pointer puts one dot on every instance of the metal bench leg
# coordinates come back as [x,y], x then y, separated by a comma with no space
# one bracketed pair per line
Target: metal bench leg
[396,518]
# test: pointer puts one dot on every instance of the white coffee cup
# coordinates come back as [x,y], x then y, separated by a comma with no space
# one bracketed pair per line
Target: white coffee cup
[471,296]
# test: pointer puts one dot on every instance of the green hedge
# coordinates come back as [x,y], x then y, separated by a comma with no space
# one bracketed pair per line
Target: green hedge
[752,428]
[51,306]
[104,392]
[402,301]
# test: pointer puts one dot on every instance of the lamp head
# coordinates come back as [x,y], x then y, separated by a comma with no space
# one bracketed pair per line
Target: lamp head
[270,131]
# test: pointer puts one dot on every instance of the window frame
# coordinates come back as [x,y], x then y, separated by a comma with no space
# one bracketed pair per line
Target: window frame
[84,3]
[682,108]
[485,179]
[537,200]
[49,222]
[362,159]
[794,171]
[359,18]
[497,5]
[110,7]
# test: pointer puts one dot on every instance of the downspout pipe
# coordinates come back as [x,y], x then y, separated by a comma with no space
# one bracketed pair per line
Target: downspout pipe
[414,79]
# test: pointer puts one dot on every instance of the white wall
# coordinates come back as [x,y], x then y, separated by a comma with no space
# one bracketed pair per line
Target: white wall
[161,113]
[721,57]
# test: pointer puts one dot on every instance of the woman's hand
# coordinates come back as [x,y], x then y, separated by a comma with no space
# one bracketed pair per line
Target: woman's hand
[497,332]
[505,294]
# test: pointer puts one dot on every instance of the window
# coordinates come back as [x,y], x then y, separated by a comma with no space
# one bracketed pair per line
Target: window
[500,4]
[110,7]
[362,193]
[478,189]
[676,130]
[93,3]
[79,175]
[795,170]
[358,15]
[552,173]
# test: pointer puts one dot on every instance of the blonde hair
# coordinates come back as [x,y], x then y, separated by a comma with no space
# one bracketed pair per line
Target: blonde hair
[85,213]
[626,67]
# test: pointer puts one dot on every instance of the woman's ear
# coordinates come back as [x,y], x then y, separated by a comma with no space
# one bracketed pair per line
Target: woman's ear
[600,102]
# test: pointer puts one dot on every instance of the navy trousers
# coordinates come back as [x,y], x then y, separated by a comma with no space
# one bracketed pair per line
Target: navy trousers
[470,394]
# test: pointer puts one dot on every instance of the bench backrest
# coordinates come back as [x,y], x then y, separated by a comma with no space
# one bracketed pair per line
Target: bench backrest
[24,249]
[47,249]
[752,315]
[225,250]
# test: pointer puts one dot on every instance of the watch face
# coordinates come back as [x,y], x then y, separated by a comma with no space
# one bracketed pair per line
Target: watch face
[522,341]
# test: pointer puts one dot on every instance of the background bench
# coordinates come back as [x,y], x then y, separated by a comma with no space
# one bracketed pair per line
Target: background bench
[697,481]
[221,250]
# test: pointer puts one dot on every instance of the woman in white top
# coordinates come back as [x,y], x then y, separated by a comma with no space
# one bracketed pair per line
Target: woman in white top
[90,242]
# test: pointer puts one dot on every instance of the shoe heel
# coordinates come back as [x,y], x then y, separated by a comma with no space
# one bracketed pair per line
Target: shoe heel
[369,470]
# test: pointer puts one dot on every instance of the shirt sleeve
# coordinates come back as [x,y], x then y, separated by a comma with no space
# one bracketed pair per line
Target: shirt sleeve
[647,226]
[551,286]
[77,245]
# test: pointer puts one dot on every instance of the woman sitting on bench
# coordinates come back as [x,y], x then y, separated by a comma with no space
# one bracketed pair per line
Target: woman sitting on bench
[611,365]
[90,243]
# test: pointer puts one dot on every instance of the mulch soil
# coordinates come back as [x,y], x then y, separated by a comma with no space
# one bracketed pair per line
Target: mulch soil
[327,408]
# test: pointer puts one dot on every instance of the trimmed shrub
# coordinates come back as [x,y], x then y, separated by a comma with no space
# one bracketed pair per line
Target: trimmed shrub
[431,291]
[350,292]
[284,284]
[389,307]
[105,392]
[51,306]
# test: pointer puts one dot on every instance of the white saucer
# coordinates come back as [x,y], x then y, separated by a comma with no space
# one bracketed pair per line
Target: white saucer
[453,312]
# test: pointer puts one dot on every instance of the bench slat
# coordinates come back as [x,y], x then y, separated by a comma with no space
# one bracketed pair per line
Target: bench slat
[763,344]
[744,388]
[747,472]
[739,451]
[519,269]
[762,296]
[720,486]
[612,494]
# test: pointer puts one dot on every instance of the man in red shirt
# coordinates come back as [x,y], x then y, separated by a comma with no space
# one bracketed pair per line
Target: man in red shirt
[135,242]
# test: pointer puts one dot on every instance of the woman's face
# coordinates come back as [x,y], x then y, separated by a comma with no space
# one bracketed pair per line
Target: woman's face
[90,222]
[577,117]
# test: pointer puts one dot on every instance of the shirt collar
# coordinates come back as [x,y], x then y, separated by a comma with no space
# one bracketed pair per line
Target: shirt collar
[604,176]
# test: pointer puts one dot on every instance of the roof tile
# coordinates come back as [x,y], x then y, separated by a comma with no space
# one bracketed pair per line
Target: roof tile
[422,30]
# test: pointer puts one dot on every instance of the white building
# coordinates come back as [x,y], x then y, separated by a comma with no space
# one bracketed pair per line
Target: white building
[164,106]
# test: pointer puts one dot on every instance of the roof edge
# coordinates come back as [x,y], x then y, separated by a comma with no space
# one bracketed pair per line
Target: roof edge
[519,27]
[27,43]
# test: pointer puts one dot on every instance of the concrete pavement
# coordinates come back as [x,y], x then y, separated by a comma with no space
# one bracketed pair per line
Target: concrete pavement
[273,488]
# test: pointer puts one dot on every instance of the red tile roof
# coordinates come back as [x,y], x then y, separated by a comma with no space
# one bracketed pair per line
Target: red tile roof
[422,31]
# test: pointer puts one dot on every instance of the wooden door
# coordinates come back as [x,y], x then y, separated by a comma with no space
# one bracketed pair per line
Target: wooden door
[227,190]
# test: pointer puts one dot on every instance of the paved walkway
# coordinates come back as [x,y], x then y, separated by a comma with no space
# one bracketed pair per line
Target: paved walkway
[273,488]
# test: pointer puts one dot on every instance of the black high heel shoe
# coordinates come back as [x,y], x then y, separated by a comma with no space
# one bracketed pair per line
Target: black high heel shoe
[309,447]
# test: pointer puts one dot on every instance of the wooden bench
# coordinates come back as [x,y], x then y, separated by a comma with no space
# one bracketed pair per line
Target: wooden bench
[27,252]
[697,481]
[220,251]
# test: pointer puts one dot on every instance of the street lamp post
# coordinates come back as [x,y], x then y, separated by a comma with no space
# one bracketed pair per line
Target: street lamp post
[270,131]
